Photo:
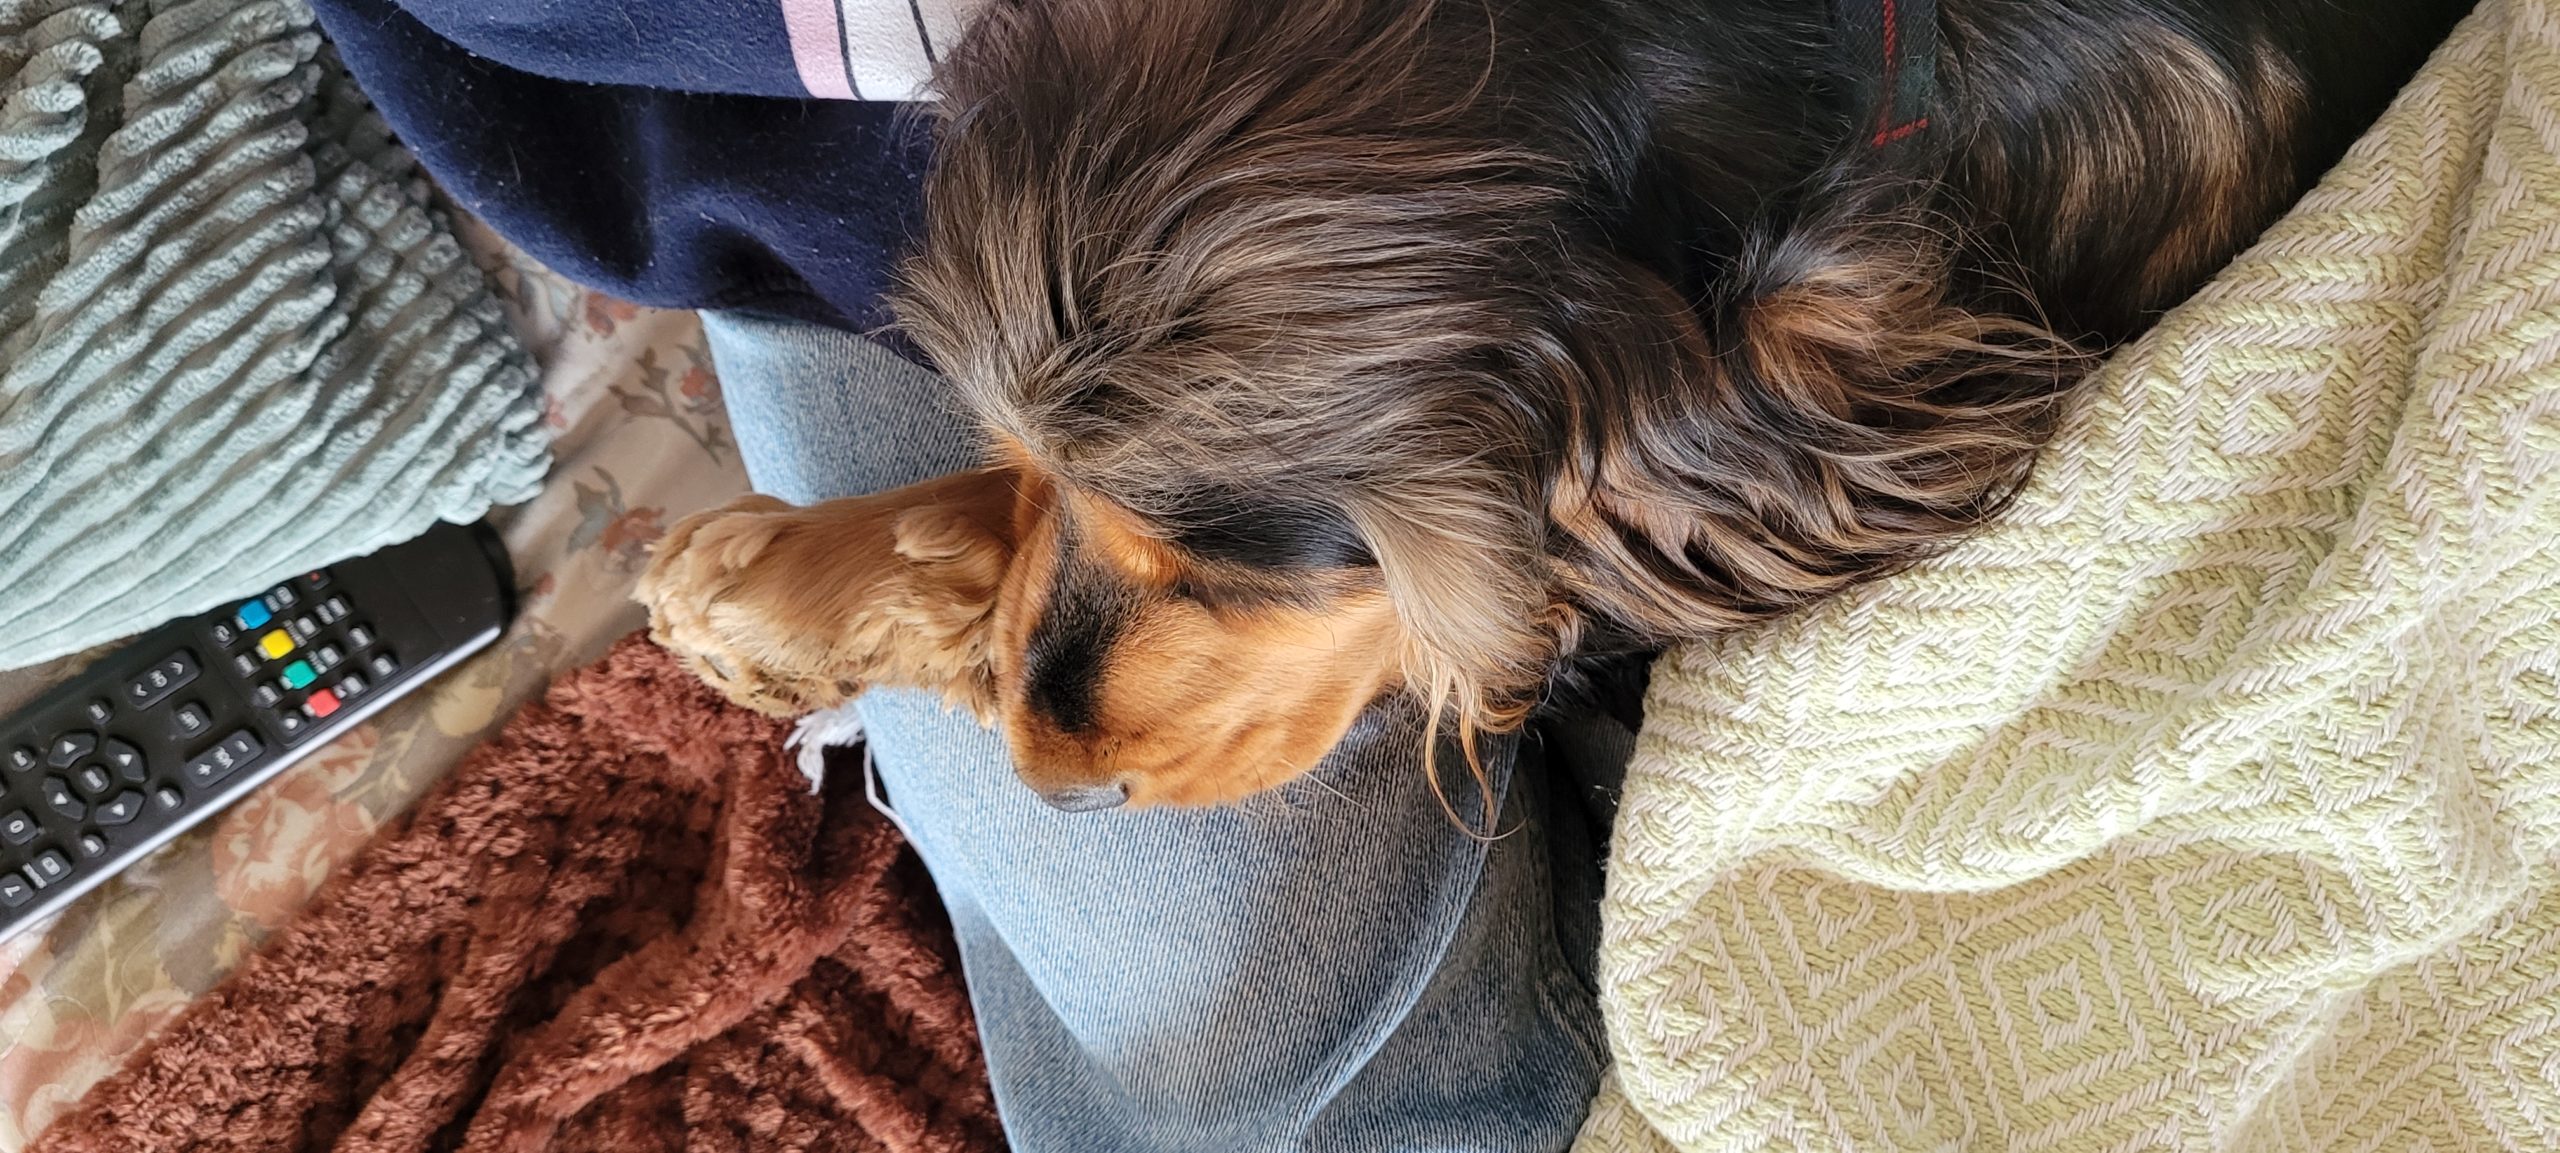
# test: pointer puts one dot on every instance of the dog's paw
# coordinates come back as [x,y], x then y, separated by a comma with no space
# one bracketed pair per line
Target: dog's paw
[790,610]
[732,606]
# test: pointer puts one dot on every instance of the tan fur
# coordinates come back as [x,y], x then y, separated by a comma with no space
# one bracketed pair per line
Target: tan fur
[788,610]
[2209,173]
[1200,705]
[2222,124]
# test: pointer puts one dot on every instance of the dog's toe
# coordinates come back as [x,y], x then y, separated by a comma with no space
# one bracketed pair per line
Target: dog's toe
[704,607]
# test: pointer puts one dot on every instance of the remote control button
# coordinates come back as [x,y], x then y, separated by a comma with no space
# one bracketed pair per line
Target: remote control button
[350,685]
[157,682]
[297,676]
[313,582]
[383,665]
[92,780]
[127,762]
[70,747]
[17,828]
[223,634]
[326,657]
[122,810]
[291,724]
[190,719]
[101,710]
[252,616]
[303,629]
[275,644]
[168,797]
[282,597]
[332,610]
[93,844]
[322,703]
[214,765]
[49,868]
[59,798]
[223,759]
[266,695]
[245,664]
[15,891]
[359,636]
[22,758]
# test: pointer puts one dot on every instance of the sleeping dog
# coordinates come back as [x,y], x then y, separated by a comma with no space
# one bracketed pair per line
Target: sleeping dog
[1330,349]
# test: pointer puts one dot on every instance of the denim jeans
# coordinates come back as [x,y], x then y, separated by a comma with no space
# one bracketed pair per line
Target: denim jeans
[1334,967]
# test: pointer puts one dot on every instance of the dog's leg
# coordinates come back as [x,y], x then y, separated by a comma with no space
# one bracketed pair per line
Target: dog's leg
[789,610]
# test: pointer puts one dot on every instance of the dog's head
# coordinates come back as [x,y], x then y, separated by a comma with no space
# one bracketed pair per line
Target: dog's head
[1306,331]
[1133,664]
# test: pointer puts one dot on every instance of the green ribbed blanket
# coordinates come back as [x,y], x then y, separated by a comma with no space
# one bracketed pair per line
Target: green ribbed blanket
[235,341]
[2212,800]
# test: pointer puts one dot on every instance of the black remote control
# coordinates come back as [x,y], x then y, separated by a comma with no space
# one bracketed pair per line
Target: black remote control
[194,714]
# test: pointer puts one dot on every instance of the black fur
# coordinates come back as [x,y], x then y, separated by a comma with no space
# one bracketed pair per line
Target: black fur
[1265,531]
[1069,650]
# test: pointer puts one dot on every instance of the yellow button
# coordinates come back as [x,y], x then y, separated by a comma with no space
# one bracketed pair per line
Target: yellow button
[275,644]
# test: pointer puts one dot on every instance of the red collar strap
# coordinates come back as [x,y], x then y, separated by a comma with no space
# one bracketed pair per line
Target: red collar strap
[1896,43]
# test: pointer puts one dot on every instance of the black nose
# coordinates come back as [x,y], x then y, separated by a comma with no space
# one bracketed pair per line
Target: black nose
[1087,798]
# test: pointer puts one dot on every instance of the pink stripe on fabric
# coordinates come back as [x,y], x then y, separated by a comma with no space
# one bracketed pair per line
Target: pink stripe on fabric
[817,48]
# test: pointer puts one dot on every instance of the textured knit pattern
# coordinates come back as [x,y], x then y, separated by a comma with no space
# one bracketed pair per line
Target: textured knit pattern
[2211,801]
[636,415]
[235,343]
[623,926]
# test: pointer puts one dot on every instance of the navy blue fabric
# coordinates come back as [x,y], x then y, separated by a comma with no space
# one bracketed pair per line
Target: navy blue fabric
[572,146]
[737,46]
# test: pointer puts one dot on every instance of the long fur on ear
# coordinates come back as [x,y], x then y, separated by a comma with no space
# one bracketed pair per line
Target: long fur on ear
[1841,419]
[1377,261]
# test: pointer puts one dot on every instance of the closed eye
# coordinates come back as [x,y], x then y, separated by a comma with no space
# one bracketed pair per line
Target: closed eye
[1230,588]
[1267,533]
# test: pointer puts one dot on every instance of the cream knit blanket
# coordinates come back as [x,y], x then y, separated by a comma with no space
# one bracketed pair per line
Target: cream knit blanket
[2212,801]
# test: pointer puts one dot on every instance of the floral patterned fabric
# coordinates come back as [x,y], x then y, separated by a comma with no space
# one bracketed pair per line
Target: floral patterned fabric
[640,440]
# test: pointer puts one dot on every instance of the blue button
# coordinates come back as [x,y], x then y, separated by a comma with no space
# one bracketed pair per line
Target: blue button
[254,614]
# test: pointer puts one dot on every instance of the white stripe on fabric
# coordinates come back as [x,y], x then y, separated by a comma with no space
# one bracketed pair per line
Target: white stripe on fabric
[817,48]
[884,48]
[945,20]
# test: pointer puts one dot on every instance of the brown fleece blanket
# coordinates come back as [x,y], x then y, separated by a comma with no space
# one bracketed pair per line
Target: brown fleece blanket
[624,925]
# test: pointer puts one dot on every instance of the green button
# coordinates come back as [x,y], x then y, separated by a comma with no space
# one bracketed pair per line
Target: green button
[298,674]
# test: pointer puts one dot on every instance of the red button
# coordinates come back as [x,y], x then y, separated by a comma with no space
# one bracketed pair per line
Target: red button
[322,703]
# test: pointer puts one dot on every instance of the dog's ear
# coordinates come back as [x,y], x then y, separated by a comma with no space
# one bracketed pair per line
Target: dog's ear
[1830,415]
[790,610]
